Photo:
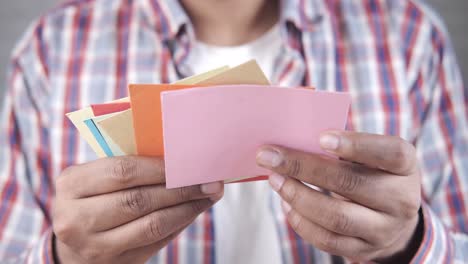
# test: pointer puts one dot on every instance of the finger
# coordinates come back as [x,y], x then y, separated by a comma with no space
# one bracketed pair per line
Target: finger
[336,215]
[345,178]
[155,226]
[323,239]
[95,248]
[388,153]
[370,187]
[109,175]
[107,211]
[141,255]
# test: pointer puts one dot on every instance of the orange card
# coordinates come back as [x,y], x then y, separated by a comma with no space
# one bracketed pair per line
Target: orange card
[147,116]
[146,102]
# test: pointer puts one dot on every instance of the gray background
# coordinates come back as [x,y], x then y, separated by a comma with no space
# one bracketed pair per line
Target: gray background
[15,16]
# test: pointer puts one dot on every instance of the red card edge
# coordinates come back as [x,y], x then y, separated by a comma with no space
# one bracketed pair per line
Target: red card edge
[109,108]
[258,178]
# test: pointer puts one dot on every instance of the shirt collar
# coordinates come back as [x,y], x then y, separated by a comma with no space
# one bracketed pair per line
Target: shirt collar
[168,17]
[304,14]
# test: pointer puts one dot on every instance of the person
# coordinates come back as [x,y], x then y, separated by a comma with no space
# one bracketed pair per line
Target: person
[397,194]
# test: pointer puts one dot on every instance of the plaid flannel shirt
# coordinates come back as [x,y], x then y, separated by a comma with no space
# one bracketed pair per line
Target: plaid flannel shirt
[393,56]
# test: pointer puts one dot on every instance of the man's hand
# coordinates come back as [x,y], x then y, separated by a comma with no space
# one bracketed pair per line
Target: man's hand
[117,210]
[372,213]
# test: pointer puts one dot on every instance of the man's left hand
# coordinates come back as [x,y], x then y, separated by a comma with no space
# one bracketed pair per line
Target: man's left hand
[372,213]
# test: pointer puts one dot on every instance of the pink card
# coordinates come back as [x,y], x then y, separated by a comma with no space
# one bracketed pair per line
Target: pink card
[212,134]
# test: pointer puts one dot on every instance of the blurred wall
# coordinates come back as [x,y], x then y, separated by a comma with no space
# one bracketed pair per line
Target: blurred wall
[15,15]
[455,15]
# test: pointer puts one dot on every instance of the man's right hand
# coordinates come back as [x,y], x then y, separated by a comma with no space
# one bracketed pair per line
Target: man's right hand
[117,210]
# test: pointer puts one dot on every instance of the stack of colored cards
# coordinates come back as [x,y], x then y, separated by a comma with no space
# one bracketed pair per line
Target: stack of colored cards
[209,126]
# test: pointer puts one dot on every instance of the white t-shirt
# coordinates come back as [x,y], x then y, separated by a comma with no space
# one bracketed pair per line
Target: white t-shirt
[244,224]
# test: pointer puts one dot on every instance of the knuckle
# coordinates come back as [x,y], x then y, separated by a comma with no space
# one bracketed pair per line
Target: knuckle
[291,194]
[404,155]
[329,242]
[90,221]
[161,171]
[62,182]
[294,168]
[408,208]
[155,227]
[90,253]
[184,193]
[380,237]
[198,206]
[359,146]
[340,222]
[124,169]
[68,171]
[347,181]
[135,201]
[295,220]
[379,232]
[64,229]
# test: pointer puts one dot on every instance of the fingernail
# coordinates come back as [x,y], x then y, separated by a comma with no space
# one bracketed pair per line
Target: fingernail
[211,188]
[286,207]
[269,157]
[329,141]
[276,181]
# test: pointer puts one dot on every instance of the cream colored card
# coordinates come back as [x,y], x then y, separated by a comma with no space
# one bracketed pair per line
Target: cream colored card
[123,136]
[203,76]
[77,118]
[119,128]
[245,73]
[105,142]
[121,124]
